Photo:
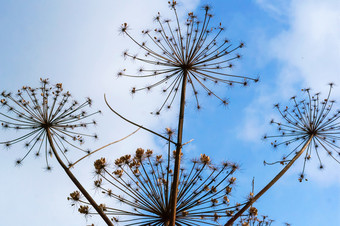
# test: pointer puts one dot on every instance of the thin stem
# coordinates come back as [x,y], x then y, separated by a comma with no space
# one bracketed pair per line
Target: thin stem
[135,124]
[173,196]
[271,183]
[72,165]
[76,182]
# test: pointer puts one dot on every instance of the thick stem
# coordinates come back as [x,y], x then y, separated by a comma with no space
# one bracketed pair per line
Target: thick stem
[271,183]
[76,182]
[173,196]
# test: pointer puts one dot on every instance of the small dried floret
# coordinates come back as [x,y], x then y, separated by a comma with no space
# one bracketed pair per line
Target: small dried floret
[75,196]
[232,180]
[98,183]
[226,199]
[185,213]
[103,207]
[118,173]
[228,190]
[139,153]
[214,201]
[149,153]
[205,159]
[100,164]
[253,211]
[83,210]
[229,213]
[170,132]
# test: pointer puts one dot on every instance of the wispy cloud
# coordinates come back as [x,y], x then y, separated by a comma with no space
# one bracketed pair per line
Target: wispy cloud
[76,43]
[307,53]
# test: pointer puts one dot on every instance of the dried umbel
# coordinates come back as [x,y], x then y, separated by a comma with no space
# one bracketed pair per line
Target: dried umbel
[191,52]
[33,111]
[254,220]
[142,185]
[311,122]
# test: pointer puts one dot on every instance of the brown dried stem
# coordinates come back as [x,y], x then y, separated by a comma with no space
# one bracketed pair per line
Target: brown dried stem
[173,200]
[76,182]
[109,144]
[270,184]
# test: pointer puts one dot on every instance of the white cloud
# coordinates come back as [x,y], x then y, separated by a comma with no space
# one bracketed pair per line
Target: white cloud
[277,8]
[310,48]
[308,55]
[76,43]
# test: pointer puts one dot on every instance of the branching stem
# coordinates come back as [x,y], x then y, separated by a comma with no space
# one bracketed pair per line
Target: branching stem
[271,183]
[76,182]
[135,124]
[173,199]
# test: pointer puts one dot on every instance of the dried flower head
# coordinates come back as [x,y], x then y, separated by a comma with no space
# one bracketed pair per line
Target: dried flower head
[309,122]
[143,184]
[190,53]
[47,108]
[252,220]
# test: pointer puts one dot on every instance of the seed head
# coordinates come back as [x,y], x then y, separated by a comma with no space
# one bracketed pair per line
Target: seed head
[312,118]
[34,111]
[143,186]
[186,53]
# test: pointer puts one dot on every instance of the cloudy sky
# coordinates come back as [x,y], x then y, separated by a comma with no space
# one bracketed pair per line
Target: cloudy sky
[290,44]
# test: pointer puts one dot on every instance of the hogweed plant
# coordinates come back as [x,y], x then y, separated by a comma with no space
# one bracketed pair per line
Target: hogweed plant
[156,190]
[36,110]
[310,125]
[179,55]
[49,120]
[142,184]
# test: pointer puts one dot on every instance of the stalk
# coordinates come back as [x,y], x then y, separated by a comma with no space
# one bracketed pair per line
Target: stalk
[271,183]
[76,182]
[173,196]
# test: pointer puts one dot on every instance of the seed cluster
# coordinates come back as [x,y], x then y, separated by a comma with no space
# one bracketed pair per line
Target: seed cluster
[36,110]
[312,119]
[143,182]
[193,49]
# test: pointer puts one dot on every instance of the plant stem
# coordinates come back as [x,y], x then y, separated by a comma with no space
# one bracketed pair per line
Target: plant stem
[173,196]
[271,183]
[76,182]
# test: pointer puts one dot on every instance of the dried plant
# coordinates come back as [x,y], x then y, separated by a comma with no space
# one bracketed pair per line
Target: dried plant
[142,185]
[190,53]
[50,119]
[36,110]
[310,124]
[179,55]
[253,220]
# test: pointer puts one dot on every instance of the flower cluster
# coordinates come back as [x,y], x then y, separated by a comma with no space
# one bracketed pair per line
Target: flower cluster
[312,122]
[143,182]
[190,53]
[254,220]
[39,110]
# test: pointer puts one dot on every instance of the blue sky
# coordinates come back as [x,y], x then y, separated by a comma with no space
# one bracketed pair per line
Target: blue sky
[291,44]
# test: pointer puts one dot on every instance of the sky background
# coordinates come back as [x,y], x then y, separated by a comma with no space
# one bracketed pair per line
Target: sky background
[290,44]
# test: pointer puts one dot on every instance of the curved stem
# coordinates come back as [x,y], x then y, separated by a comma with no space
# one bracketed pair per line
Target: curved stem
[135,124]
[76,182]
[271,183]
[173,196]
[105,146]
